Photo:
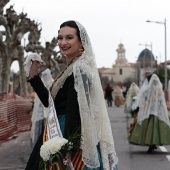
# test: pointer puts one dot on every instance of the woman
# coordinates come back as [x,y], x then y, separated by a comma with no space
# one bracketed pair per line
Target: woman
[79,101]
[132,92]
[153,126]
[118,96]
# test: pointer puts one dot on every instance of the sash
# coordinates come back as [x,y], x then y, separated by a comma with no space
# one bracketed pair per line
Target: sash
[52,129]
[52,124]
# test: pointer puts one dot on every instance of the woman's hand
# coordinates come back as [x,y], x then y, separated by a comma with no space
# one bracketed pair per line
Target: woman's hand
[35,66]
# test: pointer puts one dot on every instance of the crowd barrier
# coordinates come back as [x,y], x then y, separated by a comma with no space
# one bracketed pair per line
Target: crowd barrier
[16,112]
[15,115]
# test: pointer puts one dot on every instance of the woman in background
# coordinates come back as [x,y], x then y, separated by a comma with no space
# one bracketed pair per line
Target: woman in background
[118,96]
[153,126]
[40,112]
[131,93]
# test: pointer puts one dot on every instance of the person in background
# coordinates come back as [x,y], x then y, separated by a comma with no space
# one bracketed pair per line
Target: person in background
[152,127]
[118,96]
[108,95]
[131,93]
[40,112]
[79,102]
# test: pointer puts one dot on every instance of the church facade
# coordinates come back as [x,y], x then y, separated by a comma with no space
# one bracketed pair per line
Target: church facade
[122,71]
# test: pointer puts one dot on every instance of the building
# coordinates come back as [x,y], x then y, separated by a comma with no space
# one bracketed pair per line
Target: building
[122,71]
[146,60]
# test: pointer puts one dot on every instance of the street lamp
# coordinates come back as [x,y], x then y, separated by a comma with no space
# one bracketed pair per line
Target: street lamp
[165,66]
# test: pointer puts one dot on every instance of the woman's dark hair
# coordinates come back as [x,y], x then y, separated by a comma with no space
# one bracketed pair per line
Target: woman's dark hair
[149,77]
[71,24]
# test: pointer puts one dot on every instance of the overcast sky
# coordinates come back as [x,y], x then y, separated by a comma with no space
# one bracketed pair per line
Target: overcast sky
[108,23]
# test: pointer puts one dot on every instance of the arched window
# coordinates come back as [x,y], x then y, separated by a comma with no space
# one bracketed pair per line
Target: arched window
[120,71]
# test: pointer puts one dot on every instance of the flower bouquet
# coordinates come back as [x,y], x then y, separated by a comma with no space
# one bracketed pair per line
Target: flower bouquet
[57,149]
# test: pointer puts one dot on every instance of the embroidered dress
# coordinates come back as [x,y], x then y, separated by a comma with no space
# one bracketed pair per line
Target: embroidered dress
[153,125]
[77,162]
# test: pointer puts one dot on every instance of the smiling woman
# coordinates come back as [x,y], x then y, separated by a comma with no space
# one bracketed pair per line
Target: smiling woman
[73,94]
[69,42]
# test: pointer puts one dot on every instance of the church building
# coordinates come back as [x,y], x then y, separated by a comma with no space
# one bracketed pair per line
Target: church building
[121,71]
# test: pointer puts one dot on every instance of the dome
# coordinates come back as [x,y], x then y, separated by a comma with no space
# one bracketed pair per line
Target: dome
[146,54]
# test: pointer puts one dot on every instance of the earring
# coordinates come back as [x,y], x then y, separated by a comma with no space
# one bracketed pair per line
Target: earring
[81,50]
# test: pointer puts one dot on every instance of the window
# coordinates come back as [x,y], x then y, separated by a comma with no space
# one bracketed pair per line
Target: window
[120,71]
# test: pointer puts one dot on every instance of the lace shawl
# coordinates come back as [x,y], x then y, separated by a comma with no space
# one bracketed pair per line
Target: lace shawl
[153,102]
[138,97]
[93,112]
[132,92]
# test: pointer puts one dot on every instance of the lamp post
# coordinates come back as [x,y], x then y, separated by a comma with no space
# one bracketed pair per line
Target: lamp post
[165,65]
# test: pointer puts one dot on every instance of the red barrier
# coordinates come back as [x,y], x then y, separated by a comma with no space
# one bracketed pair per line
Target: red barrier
[14,116]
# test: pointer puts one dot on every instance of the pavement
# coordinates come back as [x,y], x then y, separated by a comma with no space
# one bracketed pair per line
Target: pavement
[15,152]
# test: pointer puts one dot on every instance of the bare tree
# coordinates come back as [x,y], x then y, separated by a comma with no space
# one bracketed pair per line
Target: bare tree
[11,49]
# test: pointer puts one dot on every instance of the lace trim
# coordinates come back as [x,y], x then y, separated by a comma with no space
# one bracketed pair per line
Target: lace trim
[94,116]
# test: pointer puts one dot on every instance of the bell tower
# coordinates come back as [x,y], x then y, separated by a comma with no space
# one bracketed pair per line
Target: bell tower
[121,55]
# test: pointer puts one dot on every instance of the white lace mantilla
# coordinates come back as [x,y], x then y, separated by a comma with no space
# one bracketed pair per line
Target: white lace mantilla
[153,102]
[94,116]
[132,92]
[93,112]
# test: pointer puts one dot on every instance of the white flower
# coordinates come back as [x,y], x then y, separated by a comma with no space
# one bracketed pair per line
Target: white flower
[51,146]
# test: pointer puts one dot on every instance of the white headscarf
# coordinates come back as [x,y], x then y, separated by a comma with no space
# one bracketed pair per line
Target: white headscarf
[132,92]
[138,97]
[153,102]
[96,128]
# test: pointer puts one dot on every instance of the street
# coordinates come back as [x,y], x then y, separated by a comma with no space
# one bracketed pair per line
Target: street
[133,157]
[15,152]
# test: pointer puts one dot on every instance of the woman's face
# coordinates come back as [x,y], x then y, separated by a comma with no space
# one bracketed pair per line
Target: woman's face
[68,42]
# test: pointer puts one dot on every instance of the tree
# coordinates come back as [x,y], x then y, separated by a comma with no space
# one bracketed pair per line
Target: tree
[11,49]
[15,27]
[160,72]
